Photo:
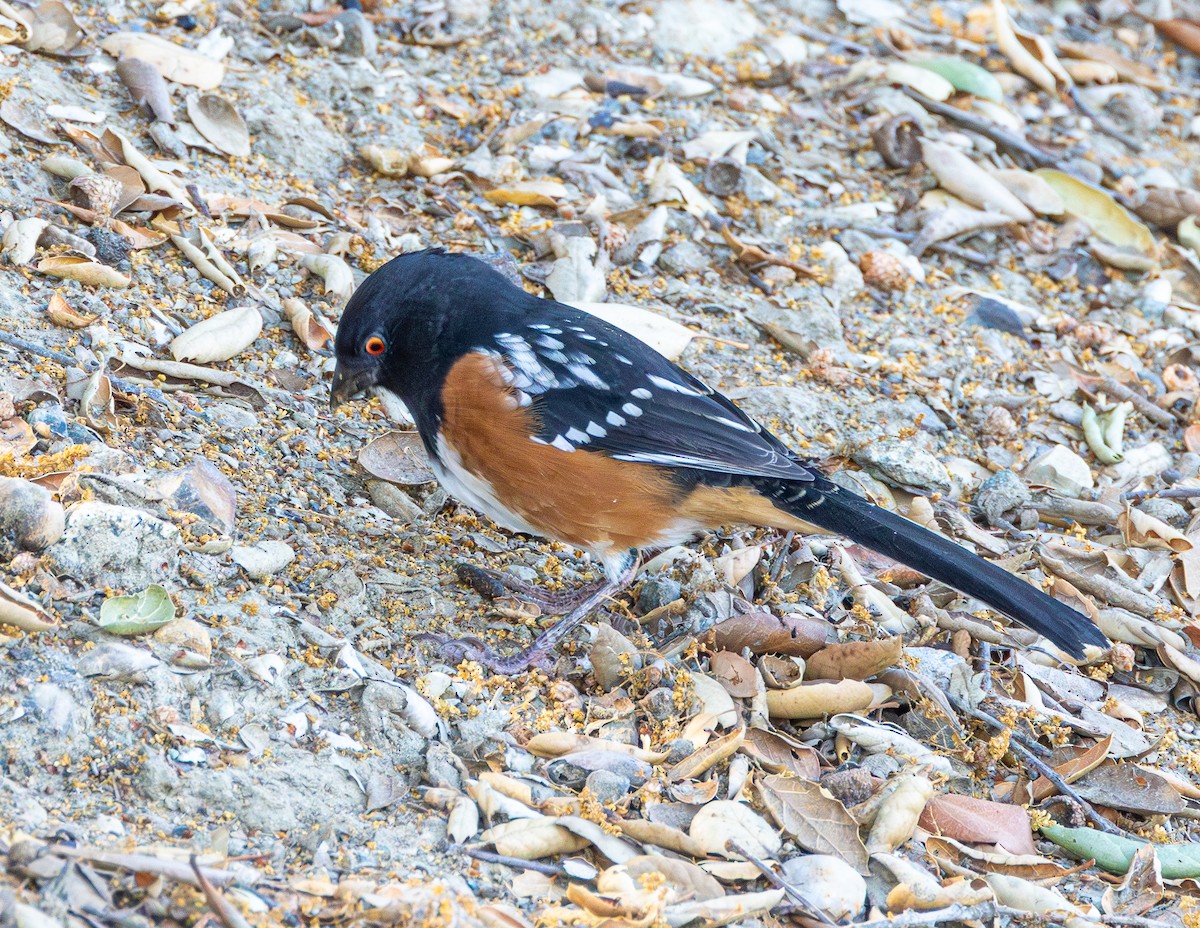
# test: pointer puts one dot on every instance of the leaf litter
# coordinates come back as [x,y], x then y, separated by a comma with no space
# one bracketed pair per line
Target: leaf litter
[794,206]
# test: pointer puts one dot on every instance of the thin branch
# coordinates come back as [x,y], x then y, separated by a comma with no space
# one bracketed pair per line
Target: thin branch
[515,862]
[778,882]
[1165,493]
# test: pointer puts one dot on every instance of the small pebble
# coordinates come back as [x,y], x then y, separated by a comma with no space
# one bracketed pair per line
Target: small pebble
[607,786]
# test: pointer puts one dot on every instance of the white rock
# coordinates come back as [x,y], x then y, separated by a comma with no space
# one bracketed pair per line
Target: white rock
[704,27]
[262,559]
[1060,469]
[116,546]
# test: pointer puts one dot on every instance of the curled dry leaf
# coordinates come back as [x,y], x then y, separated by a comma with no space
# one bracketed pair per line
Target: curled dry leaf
[1183,32]
[174,62]
[899,811]
[949,223]
[96,404]
[964,178]
[666,336]
[880,738]
[1032,190]
[529,193]
[708,756]
[1144,530]
[398,457]
[308,326]
[1126,68]
[1030,55]
[336,273]
[830,883]
[91,273]
[218,120]
[147,87]
[219,337]
[21,238]
[23,612]
[49,27]
[735,673]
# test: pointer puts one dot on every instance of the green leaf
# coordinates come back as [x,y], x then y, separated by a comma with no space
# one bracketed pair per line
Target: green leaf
[965,77]
[1114,853]
[138,614]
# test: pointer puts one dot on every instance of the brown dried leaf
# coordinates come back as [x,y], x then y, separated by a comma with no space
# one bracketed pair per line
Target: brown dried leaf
[1166,207]
[53,29]
[812,700]
[22,612]
[1142,888]
[1130,789]
[686,879]
[218,120]
[308,326]
[1183,32]
[777,753]
[1126,68]
[60,313]
[708,756]
[529,193]
[1031,867]
[147,87]
[979,821]
[398,457]
[1070,763]
[1144,530]
[735,673]
[243,207]
[854,660]
[817,821]
[27,120]
[16,437]
[764,633]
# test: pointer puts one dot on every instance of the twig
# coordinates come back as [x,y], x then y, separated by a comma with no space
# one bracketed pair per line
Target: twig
[828,38]
[988,719]
[147,863]
[1165,493]
[229,914]
[779,883]
[1111,591]
[990,910]
[1103,123]
[515,862]
[1141,402]
[66,360]
[990,130]
[954,251]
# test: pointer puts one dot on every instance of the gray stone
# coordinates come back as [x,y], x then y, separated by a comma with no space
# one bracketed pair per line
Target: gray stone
[1000,493]
[902,463]
[114,546]
[683,258]
[263,559]
[656,592]
[358,34]
[1170,511]
[607,786]
[29,516]
[679,749]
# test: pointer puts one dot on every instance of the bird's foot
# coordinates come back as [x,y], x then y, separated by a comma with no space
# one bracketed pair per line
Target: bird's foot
[493,584]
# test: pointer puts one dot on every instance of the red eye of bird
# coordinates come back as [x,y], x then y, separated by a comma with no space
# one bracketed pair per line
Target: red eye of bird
[375,345]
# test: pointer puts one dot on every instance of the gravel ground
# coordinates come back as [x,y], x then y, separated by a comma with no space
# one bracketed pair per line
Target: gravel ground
[287,716]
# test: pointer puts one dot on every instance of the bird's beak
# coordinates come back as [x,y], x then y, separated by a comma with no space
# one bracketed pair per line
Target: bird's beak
[350,379]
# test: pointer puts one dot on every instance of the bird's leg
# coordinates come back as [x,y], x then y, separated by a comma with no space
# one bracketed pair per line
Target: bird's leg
[456,649]
[492,584]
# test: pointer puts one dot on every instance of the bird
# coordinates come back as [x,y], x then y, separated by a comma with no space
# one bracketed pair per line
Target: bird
[554,423]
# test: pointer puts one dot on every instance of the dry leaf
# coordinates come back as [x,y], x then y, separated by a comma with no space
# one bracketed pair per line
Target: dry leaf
[1144,530]
[1183,32]
[979,821]
[533,838]
[963,177]
[174,62]
[777,753]
[720,823]
[812,700]
[147,87]
[23,612]
[855,660]
[91,273]
[218,120]
[219,337]
[308,326]
[1030,55]
[764,633]
[529,193]
[708,756]
[336,274]
[735,673]
[902,801]
[814,819]
[664,335]
[1106,217]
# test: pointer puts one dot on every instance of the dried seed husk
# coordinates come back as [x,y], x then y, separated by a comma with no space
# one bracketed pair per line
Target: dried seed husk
[1126,68]
[532,839]
[1090,72]
[708,756]
[205,266]
[147,87]
[925,81]
[91,273]
[558,743]
[899,812]
[218,120]
[390,162]
[1032,190]
[174,62]
[65,167]
[219,337]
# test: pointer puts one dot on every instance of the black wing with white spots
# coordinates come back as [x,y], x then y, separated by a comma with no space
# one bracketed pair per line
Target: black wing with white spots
[595,387]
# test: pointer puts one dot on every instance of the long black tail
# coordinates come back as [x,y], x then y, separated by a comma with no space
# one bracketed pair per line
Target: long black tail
[837,510]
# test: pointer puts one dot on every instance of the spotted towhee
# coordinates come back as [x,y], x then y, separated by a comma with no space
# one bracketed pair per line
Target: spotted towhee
[554,423]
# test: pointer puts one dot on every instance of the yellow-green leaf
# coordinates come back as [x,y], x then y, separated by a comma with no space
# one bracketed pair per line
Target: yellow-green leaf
[1109,219]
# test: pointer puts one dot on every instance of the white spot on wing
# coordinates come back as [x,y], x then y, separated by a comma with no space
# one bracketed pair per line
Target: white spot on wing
[672,386]
[641,393]
[733,423]
[597,431]
[631,409]
[614,419]
[585,376]
[578,437]
[562,444]
[552,343]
